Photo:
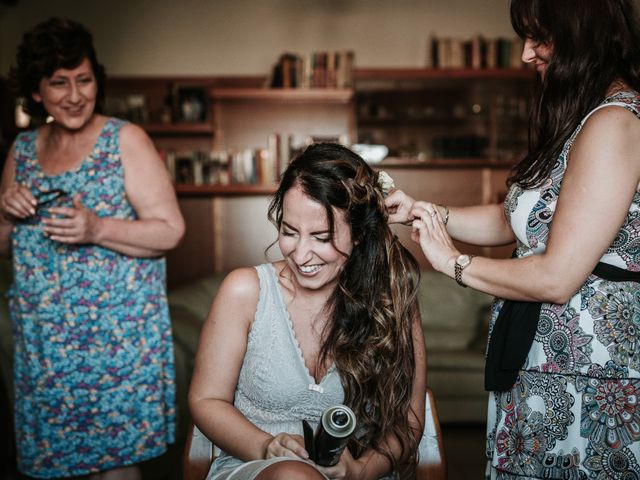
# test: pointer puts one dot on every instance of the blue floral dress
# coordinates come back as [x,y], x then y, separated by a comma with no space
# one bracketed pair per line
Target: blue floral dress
[93,361]
[574,412]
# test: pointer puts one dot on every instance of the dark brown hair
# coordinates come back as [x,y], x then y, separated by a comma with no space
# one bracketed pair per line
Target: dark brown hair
[53,44]
[595,42]
[369,334]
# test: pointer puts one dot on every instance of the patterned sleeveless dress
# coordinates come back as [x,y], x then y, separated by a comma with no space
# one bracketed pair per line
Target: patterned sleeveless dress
[574,412]
[93,360]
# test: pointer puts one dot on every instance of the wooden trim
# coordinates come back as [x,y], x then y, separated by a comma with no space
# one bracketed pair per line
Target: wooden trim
[441,73]
[173,129]
[290,95]
[412,162]
[183,189]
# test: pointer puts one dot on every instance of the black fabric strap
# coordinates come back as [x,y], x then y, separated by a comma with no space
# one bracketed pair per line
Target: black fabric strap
[515,329]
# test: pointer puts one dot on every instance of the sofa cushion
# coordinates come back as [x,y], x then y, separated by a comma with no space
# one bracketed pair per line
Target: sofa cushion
[197,296]
[452,316]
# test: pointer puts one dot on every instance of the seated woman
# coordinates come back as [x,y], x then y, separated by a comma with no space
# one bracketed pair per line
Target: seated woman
[335,322]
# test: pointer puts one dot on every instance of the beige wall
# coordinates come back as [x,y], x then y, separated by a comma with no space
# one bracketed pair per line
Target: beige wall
[246,36]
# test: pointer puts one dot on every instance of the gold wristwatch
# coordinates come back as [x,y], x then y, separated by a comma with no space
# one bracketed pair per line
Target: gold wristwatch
[462,262]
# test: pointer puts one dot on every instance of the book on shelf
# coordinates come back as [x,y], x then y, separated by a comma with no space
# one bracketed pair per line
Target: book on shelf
[476,52]
[249,166]
[324,69]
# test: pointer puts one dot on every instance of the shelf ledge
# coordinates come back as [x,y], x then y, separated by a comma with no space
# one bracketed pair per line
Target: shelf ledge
[288,95]
[183,189]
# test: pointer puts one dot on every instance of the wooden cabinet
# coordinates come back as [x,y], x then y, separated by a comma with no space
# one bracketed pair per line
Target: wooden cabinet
[445,115]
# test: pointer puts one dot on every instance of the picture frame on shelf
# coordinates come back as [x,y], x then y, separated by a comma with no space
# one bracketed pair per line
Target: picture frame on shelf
[192,104]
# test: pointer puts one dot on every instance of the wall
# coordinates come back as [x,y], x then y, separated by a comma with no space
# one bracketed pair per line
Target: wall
[246,36]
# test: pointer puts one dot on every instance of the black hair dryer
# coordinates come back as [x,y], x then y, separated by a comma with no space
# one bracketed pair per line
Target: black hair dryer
[326,444]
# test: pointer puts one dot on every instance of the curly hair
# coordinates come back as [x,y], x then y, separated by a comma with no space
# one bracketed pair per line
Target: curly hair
[369,333]
[53,44]
[595,42]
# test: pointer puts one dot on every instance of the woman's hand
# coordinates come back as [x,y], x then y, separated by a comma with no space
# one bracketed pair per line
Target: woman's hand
[17,202]
[75,224]
[431,234]
[286,445]
[346,468]
[399,206]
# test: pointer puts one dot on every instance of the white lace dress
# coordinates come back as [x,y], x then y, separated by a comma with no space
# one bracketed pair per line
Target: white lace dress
[275,389]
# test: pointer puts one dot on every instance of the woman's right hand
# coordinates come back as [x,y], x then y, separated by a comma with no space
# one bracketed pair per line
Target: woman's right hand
[286,445]
[399,206]
[17,201]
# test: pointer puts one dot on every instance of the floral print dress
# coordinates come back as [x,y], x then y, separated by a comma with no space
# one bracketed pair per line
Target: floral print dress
[93,360]
[574,411]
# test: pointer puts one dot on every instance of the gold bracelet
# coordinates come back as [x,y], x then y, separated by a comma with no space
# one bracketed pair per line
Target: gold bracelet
[445,218]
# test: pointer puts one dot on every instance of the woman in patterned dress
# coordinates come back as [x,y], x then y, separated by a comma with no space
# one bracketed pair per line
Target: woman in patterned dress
[334,322]
[87,211]
[565,378]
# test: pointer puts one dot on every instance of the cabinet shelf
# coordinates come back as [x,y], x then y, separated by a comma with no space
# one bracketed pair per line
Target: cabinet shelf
[442,73]
[178,129]
[287,95]
[400,122]
[184,189]
[413,162]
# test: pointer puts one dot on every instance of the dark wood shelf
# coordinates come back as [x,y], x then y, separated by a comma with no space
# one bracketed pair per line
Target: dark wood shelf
[414,162]
[400,122]
[288,95]
[186,129]
[183,189]
[442,73]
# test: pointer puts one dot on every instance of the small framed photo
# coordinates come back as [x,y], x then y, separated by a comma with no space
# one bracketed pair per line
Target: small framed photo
[192,104]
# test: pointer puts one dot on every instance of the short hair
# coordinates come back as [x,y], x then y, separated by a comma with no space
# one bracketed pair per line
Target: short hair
[53,44]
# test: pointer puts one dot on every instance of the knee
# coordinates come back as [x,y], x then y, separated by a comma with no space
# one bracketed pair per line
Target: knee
[290,470]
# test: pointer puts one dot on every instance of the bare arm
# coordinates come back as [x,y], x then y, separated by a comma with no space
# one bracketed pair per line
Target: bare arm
[159,226]
[602,176]
[16,202]
[483,225]
[221,351]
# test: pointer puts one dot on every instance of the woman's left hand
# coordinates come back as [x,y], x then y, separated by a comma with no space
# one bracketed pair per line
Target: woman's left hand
[75,224]
[346,468]
[431,234]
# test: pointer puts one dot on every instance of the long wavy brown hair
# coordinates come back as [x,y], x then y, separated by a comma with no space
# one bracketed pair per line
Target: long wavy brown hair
[595,42]
[369,333]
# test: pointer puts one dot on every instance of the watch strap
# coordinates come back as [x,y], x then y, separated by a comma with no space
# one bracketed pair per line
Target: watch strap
[458,271]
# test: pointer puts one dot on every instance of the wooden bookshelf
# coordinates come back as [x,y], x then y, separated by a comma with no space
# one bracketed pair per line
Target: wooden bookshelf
[227,224]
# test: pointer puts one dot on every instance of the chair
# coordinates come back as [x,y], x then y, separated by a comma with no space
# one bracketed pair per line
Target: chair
[199,451]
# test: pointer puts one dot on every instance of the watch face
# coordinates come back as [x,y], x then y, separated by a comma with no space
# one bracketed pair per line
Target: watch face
[463,260]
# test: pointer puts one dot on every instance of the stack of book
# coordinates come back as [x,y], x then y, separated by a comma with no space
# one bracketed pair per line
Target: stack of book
[318,70]
[249,166]
[476,52]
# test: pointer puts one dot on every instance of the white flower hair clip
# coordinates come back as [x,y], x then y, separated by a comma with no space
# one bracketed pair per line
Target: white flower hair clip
[385,182]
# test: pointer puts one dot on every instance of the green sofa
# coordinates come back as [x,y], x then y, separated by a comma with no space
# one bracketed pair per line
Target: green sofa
[454,320]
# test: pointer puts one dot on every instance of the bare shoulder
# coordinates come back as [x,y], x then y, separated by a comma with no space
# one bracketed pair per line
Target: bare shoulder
[134,141]
[613,122]
[611,135]
[241,286]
